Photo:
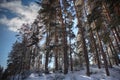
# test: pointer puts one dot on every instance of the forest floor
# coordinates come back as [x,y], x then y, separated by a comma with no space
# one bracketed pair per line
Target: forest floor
[96,74]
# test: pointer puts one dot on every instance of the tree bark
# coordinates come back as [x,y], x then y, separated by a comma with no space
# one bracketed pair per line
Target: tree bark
[83,41]
[103,55]
[47,51]
[64,35]
[95,46]
[71,61]
[56,50]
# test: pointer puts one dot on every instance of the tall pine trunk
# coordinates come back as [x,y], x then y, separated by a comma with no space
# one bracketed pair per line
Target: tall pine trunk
[95,47]
[103,54]
[56,49]
[81,29]
[71,61]
[64,39]
[47,52]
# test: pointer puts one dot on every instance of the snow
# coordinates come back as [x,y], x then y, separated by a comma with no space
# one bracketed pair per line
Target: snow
[96,74]
[33,75]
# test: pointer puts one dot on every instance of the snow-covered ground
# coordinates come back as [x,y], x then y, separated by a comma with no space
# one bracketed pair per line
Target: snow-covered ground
[96,74]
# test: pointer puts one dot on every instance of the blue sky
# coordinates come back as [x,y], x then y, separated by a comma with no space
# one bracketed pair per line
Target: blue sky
[13,13]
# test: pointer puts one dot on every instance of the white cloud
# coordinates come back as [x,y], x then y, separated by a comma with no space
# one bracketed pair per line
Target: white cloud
[26,14]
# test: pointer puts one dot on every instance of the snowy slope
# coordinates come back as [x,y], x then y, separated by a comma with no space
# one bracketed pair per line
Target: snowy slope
[97,74]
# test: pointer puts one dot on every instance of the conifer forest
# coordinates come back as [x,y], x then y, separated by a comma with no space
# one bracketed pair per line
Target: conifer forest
[66,37]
